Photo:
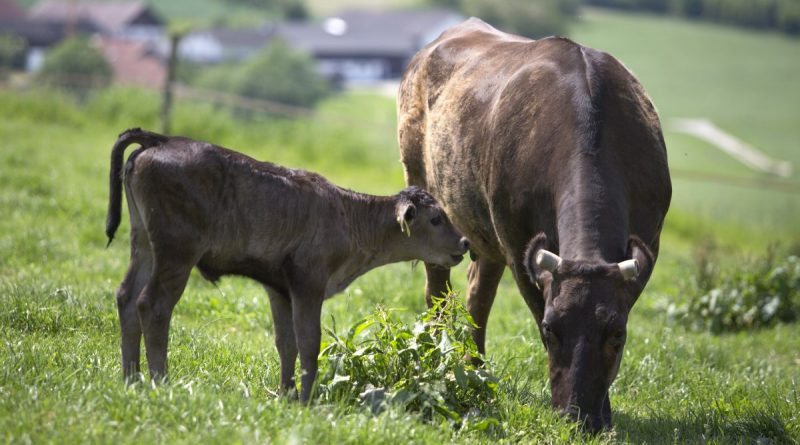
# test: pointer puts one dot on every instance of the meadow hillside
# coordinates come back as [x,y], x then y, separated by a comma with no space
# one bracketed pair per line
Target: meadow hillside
[59,357]
[743,81]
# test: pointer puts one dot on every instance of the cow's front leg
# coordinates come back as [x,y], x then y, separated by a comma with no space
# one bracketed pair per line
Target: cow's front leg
[285,341]
[437,282]
[484,277]
[306,310]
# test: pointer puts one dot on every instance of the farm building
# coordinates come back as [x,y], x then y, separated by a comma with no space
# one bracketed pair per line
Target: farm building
[364,46]
[352,47]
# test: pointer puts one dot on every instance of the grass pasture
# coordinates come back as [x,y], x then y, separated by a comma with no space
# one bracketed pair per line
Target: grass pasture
[59,370]
[744,81]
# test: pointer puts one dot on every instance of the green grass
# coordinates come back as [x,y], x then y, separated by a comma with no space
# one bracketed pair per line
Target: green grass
[744,81]
[59,373]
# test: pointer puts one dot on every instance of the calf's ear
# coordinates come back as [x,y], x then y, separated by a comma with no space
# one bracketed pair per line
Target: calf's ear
[537,248]
[405,212]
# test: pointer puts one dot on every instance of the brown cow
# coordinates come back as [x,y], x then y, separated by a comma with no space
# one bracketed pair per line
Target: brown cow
[195,204]
[542,144]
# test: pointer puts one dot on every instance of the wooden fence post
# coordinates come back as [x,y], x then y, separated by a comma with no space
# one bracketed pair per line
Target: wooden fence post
[166,99]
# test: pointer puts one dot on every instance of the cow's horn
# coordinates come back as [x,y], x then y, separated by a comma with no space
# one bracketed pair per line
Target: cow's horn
[629,269]
[548,260]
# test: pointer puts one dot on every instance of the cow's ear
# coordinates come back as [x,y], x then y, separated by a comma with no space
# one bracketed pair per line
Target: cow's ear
[638,250]
[536,259]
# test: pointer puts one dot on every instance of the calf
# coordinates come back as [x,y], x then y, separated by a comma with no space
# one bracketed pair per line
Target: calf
[192,203]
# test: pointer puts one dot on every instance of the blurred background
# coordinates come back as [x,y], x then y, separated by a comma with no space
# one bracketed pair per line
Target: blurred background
[723,74]
[312,84]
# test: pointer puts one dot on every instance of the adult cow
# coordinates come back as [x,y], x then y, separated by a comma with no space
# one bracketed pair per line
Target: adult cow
[534,147]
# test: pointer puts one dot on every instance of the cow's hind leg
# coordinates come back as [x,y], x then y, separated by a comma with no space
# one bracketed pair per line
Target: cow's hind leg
[139,271]
[484,276]
[155,305]
[285,341]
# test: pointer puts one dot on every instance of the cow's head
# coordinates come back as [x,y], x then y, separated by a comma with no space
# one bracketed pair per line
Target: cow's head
[428,233]
[584,324]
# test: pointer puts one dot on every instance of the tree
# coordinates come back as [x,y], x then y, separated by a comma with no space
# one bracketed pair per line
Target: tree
[530,18]
[282,75]
[12,51]
[74,63]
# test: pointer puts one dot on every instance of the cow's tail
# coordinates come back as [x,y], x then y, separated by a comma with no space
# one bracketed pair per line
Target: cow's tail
[133,136]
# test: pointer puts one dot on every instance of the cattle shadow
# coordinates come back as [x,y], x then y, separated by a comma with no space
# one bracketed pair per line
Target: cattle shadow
[701,426]
[653,426]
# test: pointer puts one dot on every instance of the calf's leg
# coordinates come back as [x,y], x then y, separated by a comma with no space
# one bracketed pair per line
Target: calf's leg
[155,305]
[306,310]
[483,276]
[139,271]
[285,342]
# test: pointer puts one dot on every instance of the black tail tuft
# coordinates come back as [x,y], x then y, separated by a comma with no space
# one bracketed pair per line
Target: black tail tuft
[144,138]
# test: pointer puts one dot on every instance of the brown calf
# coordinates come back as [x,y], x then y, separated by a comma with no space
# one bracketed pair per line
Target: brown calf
[192,203]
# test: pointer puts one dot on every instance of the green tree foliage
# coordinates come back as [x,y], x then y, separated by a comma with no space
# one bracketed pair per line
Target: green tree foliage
[780,14]
[75,64]
[291,9]
[12,51]
[278,74]
[531,18]
[525,17]
[788,16]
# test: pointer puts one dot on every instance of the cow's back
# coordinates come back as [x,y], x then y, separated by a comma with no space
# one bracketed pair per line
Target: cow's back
[496,126]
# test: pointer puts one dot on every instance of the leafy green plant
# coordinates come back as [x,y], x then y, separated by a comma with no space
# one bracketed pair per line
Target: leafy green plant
[754,295]
[383,363]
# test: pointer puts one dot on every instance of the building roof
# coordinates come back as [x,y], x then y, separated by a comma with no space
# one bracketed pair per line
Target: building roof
[243,37]
[110,16]
[369,32]
[43,34]
[133,62]
[10,10]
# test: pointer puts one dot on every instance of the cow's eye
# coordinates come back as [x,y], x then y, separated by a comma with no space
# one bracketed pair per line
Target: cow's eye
[549,336]
[617,338]
[436,220]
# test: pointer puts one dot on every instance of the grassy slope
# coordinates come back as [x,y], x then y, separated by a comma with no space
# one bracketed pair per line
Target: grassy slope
[58,356]
[744,81]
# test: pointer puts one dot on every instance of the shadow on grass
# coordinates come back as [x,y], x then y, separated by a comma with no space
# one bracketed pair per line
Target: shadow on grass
[751,426]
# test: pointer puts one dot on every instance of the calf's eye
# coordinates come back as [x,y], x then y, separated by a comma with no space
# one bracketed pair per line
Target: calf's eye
[436,220]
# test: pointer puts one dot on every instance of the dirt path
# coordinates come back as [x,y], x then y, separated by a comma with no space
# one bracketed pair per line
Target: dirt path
[751,157]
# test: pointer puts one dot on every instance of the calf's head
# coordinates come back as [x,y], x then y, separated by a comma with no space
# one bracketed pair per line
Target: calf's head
[428,234]
[584,324]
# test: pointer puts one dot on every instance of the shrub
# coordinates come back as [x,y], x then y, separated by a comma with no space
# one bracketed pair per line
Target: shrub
[12,51]
[382,363]
[754,295]
[74,63]
[788,16]
[277,74]
[531,18]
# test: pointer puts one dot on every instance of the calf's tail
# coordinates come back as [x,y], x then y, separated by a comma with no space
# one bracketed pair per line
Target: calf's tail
[144,138]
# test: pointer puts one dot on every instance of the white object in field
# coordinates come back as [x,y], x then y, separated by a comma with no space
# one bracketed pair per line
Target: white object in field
[739,150]
[548,260]
[629,269]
